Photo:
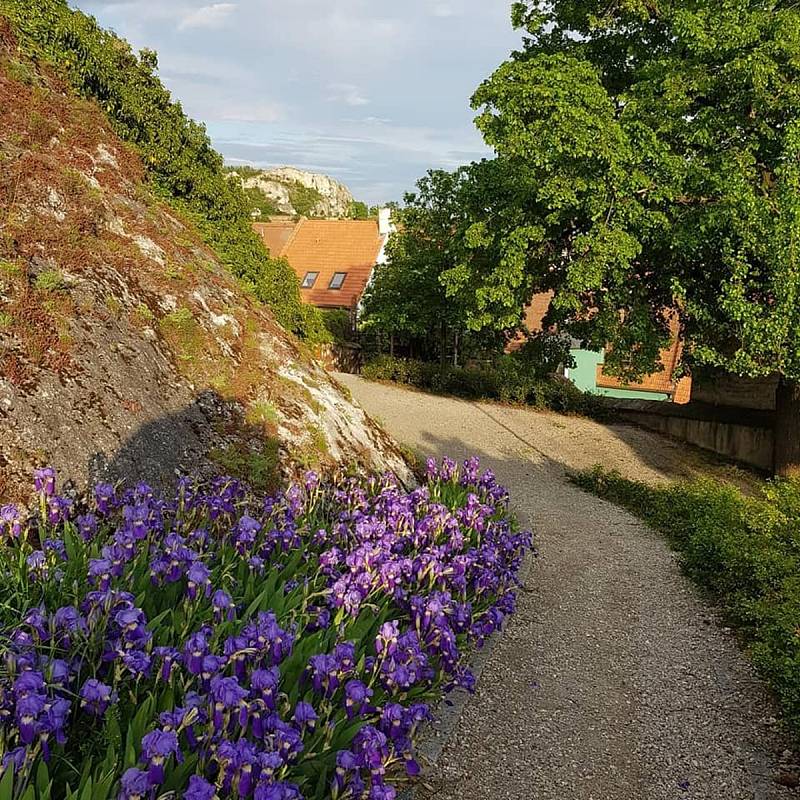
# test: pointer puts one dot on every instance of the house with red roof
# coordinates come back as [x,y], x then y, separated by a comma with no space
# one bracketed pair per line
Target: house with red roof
[332,258]
[589,371]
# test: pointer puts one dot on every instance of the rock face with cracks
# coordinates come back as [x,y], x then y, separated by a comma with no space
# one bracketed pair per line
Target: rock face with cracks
[125,346]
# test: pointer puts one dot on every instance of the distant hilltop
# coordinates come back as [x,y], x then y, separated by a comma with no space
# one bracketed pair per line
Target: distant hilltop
[294,192]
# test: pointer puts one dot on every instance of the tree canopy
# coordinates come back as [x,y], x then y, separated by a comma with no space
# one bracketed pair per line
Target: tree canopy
[647,159]
[406,296]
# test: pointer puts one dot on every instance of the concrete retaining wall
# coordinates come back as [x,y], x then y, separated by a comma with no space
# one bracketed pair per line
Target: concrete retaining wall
[723,389]
[743,435]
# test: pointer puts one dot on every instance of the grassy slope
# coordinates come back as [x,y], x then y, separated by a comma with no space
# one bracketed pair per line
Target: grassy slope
[181,164]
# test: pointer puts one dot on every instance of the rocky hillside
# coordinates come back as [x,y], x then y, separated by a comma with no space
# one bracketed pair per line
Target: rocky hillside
[295,192]
[126,348]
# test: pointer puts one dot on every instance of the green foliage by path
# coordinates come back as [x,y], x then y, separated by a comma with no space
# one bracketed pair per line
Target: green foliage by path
[260,466]
[51,280]
[339,324]
[744,550]
[647,158]
[507,381]
[407,297]
[182,165]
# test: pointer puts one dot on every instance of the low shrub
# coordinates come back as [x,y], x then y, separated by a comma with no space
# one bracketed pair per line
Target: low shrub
[744,550]
[224,644]
[507,380]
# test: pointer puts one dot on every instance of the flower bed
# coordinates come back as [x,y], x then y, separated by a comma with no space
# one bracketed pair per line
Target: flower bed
[221,644]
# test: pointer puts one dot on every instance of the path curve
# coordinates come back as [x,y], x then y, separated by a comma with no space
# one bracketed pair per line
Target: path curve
[613,681]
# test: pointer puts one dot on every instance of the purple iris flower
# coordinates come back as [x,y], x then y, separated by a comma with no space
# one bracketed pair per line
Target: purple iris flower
[44,481]
[382,791]
[87,526]
[10,522]
[134,785]
[199,789]
[289,743]
[193,651]
[264,684]
[137,662]
[386,641]
[246,531]
[304,716]
[69,620]
[222,605]
[29,682]
[449,469]
[104,498]
[277,791]
[157,747]
[58,672]
[16,758]
[198,576]
[168,656]
[228,695]
[100,570]
[96,697]
[37,564]
[356,697]
[37,621]
[27,714]
[372,748]
[58,509]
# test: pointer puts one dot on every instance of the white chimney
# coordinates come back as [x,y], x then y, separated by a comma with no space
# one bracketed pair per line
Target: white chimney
[385,221]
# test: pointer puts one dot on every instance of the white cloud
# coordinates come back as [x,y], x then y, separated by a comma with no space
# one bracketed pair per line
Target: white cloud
[347,93]
[252,112]
[443,10]
[373,92]
[211,16]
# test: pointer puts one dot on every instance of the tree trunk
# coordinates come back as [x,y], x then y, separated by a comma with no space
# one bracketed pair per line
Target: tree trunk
[391,345]
[787,429]
[455,349]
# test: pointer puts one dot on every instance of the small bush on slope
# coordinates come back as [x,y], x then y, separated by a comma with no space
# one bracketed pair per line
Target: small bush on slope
[744,550]
[177,152]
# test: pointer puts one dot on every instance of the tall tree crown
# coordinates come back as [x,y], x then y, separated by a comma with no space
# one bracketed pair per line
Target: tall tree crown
[654,150]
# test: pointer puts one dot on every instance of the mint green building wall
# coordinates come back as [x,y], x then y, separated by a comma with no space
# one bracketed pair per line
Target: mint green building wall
[584,376]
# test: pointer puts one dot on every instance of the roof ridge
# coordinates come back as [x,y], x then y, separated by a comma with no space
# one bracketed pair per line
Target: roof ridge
[292,237]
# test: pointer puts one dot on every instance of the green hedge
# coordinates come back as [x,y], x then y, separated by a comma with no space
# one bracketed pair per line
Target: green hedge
[507,380]
[182,165]
[744,550]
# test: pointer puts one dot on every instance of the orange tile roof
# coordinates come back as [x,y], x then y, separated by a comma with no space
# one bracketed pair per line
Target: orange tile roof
[275,233]
[328,246]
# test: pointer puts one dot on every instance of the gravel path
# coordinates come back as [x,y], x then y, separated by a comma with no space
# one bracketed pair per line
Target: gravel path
[614,681]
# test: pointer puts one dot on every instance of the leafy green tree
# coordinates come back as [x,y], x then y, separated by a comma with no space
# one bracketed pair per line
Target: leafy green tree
[358,210]
[648,158]
[406,297]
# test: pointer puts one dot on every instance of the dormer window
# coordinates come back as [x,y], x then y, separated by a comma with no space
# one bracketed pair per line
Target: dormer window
[337,281]
[310,279]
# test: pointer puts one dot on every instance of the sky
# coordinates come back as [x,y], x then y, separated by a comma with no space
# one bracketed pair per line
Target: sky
[371,92]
